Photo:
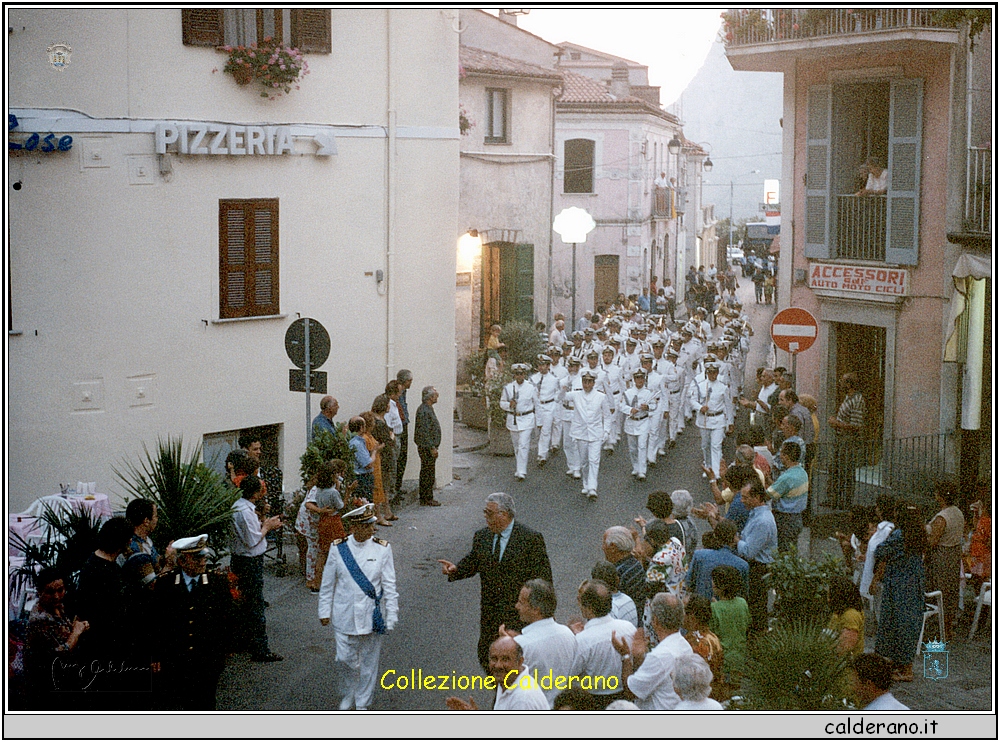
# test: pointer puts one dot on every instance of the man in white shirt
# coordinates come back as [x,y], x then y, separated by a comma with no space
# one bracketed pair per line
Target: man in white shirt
[516,687]
[518,400]
[622,606]
[249,542]
[613,388]
[714,408]
[872,680]
[589,428]
[597,662]
[549,647]
[572,383]
[638,403]
[648,677]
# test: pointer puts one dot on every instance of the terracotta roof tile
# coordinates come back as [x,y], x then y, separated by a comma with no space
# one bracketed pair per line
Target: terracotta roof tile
[582,89]
[479,60]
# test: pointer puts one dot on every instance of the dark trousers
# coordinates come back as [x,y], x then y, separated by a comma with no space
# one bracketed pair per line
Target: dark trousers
[757,597]
[404,446]
[789,526]
[249,572]
[427,466]
[847,456]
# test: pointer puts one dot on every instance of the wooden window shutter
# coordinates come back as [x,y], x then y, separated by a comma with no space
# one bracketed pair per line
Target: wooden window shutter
[903,194]
[818,135]
[201,26]
[525,262]
[248,258]
[311,30]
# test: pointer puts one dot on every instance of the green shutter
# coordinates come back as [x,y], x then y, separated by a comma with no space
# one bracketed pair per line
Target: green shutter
[818,131]
[903,195]
[525,261]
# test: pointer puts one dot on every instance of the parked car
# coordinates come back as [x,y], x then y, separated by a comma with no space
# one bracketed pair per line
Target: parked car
[735,255]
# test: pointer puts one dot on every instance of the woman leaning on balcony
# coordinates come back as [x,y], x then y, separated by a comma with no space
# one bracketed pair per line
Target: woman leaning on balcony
[878,178]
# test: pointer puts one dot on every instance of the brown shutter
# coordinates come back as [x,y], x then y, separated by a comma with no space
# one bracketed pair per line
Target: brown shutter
[201,26]
[311,30]
[248,257]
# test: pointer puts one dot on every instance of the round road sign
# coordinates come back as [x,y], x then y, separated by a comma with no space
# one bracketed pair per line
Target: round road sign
[319,343]
[794,330]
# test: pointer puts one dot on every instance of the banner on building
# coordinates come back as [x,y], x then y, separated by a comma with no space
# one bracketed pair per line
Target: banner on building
[859,278]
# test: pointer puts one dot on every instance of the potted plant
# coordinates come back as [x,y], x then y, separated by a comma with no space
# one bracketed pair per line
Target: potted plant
[465,123]
[275,66]
[795,667]
[190,498]
[802,586]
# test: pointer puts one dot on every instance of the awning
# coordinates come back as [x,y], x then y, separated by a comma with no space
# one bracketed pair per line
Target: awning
[775,246]
[969,267]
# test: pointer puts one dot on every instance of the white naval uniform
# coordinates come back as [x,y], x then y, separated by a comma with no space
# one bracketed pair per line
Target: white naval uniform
[637,425]
[572,383]
[614,388]
[654,382]
[546,411]
[518,401]
[358,646]
[713,424]
[589,428]
[673,380]
[661,365]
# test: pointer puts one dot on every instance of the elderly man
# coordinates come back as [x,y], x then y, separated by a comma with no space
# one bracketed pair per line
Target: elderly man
[589,428]
[427,436]
[192,628]
[505,555]
[558,334]
[323,422]
[548,647]
[519,400]
[359,575]
[618,543]
[596,656]
[648,677]
[516,688]
[758,545]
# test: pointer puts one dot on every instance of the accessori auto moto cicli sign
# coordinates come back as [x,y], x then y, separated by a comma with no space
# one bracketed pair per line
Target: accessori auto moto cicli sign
[859,279]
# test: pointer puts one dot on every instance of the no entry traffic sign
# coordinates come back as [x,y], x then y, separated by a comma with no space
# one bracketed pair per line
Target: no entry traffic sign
[794,330]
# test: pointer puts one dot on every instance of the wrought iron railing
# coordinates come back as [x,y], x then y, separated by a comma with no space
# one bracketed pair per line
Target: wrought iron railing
[845,475]
[861,227]
[747,26]
[979,190]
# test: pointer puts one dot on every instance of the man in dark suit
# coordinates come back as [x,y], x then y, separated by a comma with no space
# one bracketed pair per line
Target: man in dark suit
[194,613]
[505,555]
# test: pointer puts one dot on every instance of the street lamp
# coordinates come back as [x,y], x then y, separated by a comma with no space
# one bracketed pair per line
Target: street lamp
[573,225]
[752,172]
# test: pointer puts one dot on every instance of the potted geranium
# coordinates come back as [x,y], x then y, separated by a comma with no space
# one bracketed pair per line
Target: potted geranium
[275,66]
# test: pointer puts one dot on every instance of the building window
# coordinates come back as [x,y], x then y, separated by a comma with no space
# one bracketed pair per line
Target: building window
[248,257]
[578,166]
[309,30]
[847,126]
[497,116]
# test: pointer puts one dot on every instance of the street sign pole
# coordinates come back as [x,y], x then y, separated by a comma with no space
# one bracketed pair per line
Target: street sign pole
[308,370]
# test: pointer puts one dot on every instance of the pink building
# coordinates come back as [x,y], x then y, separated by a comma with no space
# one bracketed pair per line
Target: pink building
[894,274]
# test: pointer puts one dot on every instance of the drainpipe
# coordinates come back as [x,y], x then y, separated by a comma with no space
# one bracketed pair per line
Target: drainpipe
[552,211]
[390,203]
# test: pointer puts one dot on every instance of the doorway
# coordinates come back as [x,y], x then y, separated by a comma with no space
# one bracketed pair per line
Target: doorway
[861,349]
[605,280]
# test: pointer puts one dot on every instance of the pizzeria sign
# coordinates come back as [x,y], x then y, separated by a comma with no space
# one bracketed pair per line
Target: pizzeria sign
[859,279]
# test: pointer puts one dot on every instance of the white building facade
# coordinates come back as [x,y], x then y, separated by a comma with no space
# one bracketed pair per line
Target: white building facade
[156,264]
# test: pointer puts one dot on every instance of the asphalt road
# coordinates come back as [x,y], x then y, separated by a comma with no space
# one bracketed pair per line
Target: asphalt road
[439,621]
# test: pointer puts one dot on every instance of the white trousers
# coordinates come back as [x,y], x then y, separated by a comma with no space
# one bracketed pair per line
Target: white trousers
[616,422]
[637,451]
[657,434]
[711,448]
[676,417]
[521,440]
[571,448]
[589,452]
[548,429]
[359,652]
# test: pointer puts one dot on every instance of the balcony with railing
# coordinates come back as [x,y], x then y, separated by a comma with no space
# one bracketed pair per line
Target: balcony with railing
[747,26]
[979,190]
[861,227]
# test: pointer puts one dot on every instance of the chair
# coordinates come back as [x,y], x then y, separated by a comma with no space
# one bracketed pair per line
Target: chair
[933,606]
[985,597]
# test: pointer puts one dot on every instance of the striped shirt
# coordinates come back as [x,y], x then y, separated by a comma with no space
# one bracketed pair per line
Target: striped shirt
[852,412]
[790,490]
